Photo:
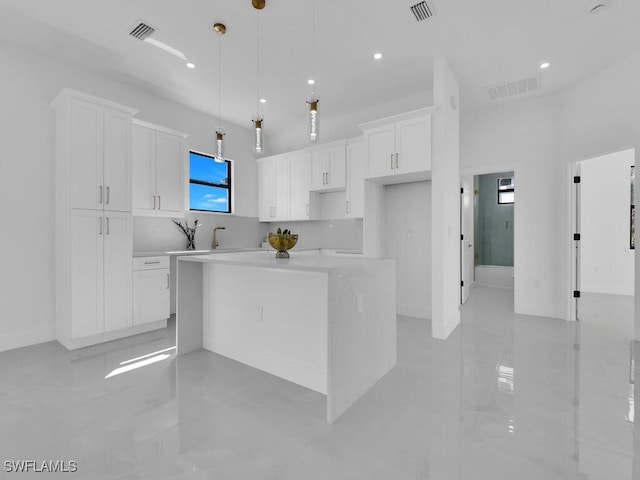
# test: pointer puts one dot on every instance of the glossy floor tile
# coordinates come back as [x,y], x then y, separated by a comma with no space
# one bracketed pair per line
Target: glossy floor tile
[505,397]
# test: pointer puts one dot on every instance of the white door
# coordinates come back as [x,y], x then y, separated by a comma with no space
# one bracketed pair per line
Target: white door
[319,167]
[282,200]
[117,161]
[143,169]
[336,168]
[266,190]
[118,242]
[150,295]
[467,235]
[413,145]
[87,190]
[169,168]
[380,151]
[86,273]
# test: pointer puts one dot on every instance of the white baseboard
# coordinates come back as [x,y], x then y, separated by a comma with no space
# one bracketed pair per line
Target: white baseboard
[494,276]
[26,338]
[75,343]
[276,365]
[443,330]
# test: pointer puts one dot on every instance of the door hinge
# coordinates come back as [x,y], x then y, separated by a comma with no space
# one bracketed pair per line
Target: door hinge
[462,190]
[576,236]
[576,294]
[461,237]
[462,283]
[576,179]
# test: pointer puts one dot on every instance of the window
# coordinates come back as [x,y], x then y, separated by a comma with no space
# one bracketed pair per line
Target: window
[506,190]
[209,183]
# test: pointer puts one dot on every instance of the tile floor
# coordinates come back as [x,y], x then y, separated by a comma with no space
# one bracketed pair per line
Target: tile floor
[505,397]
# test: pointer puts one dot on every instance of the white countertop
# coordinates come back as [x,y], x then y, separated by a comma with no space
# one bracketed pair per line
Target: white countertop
[309,260]
[160,253]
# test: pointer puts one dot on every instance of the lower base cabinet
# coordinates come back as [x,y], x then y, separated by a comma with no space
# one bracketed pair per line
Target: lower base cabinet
[151,287]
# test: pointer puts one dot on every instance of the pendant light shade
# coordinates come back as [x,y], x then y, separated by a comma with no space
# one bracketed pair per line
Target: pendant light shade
[258,141]
[313,120]
[219,155]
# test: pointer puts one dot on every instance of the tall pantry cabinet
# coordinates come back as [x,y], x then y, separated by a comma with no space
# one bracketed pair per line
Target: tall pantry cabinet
[94,226]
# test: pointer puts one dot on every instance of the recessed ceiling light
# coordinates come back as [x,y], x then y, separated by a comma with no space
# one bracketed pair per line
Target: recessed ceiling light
[377,56]
[311,81]
[545,65]
[263,100]
[190,65]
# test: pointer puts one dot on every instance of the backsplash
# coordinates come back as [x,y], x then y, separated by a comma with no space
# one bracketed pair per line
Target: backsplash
[152,234]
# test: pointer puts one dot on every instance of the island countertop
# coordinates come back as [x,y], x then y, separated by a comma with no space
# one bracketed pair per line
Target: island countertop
[306,260]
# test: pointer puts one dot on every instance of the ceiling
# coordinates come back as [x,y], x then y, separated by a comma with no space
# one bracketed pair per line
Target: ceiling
[486,43]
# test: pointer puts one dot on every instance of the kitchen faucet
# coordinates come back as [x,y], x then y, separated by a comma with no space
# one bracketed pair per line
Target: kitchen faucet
[214,243]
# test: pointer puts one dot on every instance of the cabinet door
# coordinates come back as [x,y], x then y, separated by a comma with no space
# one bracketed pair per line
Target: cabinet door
[336,168]
[143,170]
[300,181]
[266,190]
[169,173]
[86,273]
[380,151]
[118,241]
[150,295]
[319,168]
[117,161]
[413,144]
[86,158]
[355,180]
[282,190]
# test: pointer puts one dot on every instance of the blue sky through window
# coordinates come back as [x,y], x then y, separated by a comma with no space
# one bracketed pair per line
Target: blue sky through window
[209,187]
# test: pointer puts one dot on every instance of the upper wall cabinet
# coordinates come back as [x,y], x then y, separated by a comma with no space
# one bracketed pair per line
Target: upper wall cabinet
[328,167]
[93,144]
[398,148]
[354,207]
[158,170]
[273,188]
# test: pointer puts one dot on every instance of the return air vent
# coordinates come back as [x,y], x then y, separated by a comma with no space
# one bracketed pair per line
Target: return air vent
[422,11]
[142,31]
[511,89]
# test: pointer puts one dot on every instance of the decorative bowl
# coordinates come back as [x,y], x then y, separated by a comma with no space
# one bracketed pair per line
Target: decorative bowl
[283,242]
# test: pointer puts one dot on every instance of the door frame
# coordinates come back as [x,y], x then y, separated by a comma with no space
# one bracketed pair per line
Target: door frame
[487,170]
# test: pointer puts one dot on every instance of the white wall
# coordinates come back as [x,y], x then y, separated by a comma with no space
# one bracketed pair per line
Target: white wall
[408,241]
[27,85]
[606,259]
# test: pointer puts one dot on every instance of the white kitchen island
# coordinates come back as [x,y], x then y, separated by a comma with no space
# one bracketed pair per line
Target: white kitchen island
[324,321]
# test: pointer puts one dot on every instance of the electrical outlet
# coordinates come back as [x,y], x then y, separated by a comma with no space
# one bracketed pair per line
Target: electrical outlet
[360,303]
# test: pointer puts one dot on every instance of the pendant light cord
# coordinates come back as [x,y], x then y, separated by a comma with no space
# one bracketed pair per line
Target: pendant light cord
[258,61]
[219,69]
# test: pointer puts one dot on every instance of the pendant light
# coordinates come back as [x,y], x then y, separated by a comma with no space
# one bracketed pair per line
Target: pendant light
[258,134]
[220,29]
[313,126]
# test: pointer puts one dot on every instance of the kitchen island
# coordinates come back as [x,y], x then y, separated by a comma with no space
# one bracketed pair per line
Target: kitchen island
[324,321]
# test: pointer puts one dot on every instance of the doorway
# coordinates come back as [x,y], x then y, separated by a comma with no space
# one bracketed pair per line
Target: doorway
[604,241]
[487,231]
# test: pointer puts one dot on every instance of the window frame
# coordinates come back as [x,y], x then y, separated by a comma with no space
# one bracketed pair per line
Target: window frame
[229,186]
[502,190]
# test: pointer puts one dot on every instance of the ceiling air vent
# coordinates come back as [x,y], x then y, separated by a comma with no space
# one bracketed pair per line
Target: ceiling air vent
[511,89]
[422,11]
[142,31]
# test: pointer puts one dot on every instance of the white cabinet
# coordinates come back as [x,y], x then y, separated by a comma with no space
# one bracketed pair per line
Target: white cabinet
[354,207]
[151,286]
[399,146]
[93,219]
[158,170]
[100,277]
[304,205]
[273,188]
[97,143]
[328,170]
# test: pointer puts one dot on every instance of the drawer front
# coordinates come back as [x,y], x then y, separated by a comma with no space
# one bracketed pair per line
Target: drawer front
[150,263]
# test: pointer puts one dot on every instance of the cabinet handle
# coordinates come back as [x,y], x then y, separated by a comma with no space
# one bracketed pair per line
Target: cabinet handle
[348,206]
[151,263]
[397,163]
[392,161]
[154,202]
[159,202]
[307,209]
[107,225]
[100,223]
[168,281]
[100,188]
[108,195]
[327,178]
